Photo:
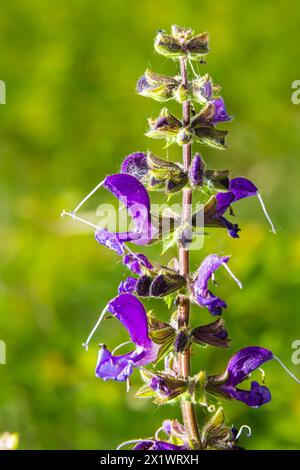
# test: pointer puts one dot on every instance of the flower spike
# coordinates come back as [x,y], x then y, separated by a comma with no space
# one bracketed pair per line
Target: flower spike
[173,341]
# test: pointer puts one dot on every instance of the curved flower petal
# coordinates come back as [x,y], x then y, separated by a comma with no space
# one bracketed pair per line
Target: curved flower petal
[208,266]
[117,368]
[111,240]
[129,191]
[134,196]
[135,164]
[244,362]
[242,187]
[224,200]
[131,313]
[256,397]
[203,296]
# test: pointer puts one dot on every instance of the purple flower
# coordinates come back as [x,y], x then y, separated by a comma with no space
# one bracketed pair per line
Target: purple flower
[130,191]
[238,369]
[131,313]
[160,386]
[158,87]
[156,174]
[137,263]
[213,214]
[220,113]
[199,176]
[128,286]
[203,124]
[157,281]
[136,165]
[196,171]
[240,188]
[213,334]
[202,295]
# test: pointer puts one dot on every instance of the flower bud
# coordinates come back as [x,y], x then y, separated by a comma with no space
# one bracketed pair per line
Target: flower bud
[213,334]
[165,176]
[196,171]
[184,136]
[167,45]
[166,126]
[181,93]
[162,386]
[166,283]
[182,42]
[158,87]
[181,341]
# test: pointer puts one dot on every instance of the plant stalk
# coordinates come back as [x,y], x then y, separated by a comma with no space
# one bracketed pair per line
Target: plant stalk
[188,408]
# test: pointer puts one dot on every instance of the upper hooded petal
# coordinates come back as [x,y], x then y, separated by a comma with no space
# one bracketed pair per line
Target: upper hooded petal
[242,187]
[224,200]
[131,313]
[244,362]
[208,266]
[133,194]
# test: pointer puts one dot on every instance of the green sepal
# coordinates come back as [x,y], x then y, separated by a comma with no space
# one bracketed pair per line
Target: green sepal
[199,386]
[182,42]
[145,392]
[166,126]
[165,349]
[164,175]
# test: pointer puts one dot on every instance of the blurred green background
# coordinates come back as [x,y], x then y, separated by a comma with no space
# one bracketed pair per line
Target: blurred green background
[70,69]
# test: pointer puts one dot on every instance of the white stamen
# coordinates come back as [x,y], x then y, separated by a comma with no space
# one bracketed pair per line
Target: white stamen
[133,441]
[245,426]
[120,346]
[211,408]
[87,197]
[265,212]
[75,217]
[233,276]
[157,433]
[86,344]
[192,68]
[287,370]
[128,384]
[263,374]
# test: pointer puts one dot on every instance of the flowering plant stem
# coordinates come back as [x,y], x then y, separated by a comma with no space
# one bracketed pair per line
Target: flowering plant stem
[188,408]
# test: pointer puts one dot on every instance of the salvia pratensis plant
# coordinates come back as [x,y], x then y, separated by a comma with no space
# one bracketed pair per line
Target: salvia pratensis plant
[156,342]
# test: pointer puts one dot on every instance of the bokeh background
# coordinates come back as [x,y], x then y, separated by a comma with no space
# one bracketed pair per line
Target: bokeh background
[70,69]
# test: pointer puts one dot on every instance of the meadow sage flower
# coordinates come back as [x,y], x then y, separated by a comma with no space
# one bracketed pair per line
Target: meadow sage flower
[131,313]
[238,369]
